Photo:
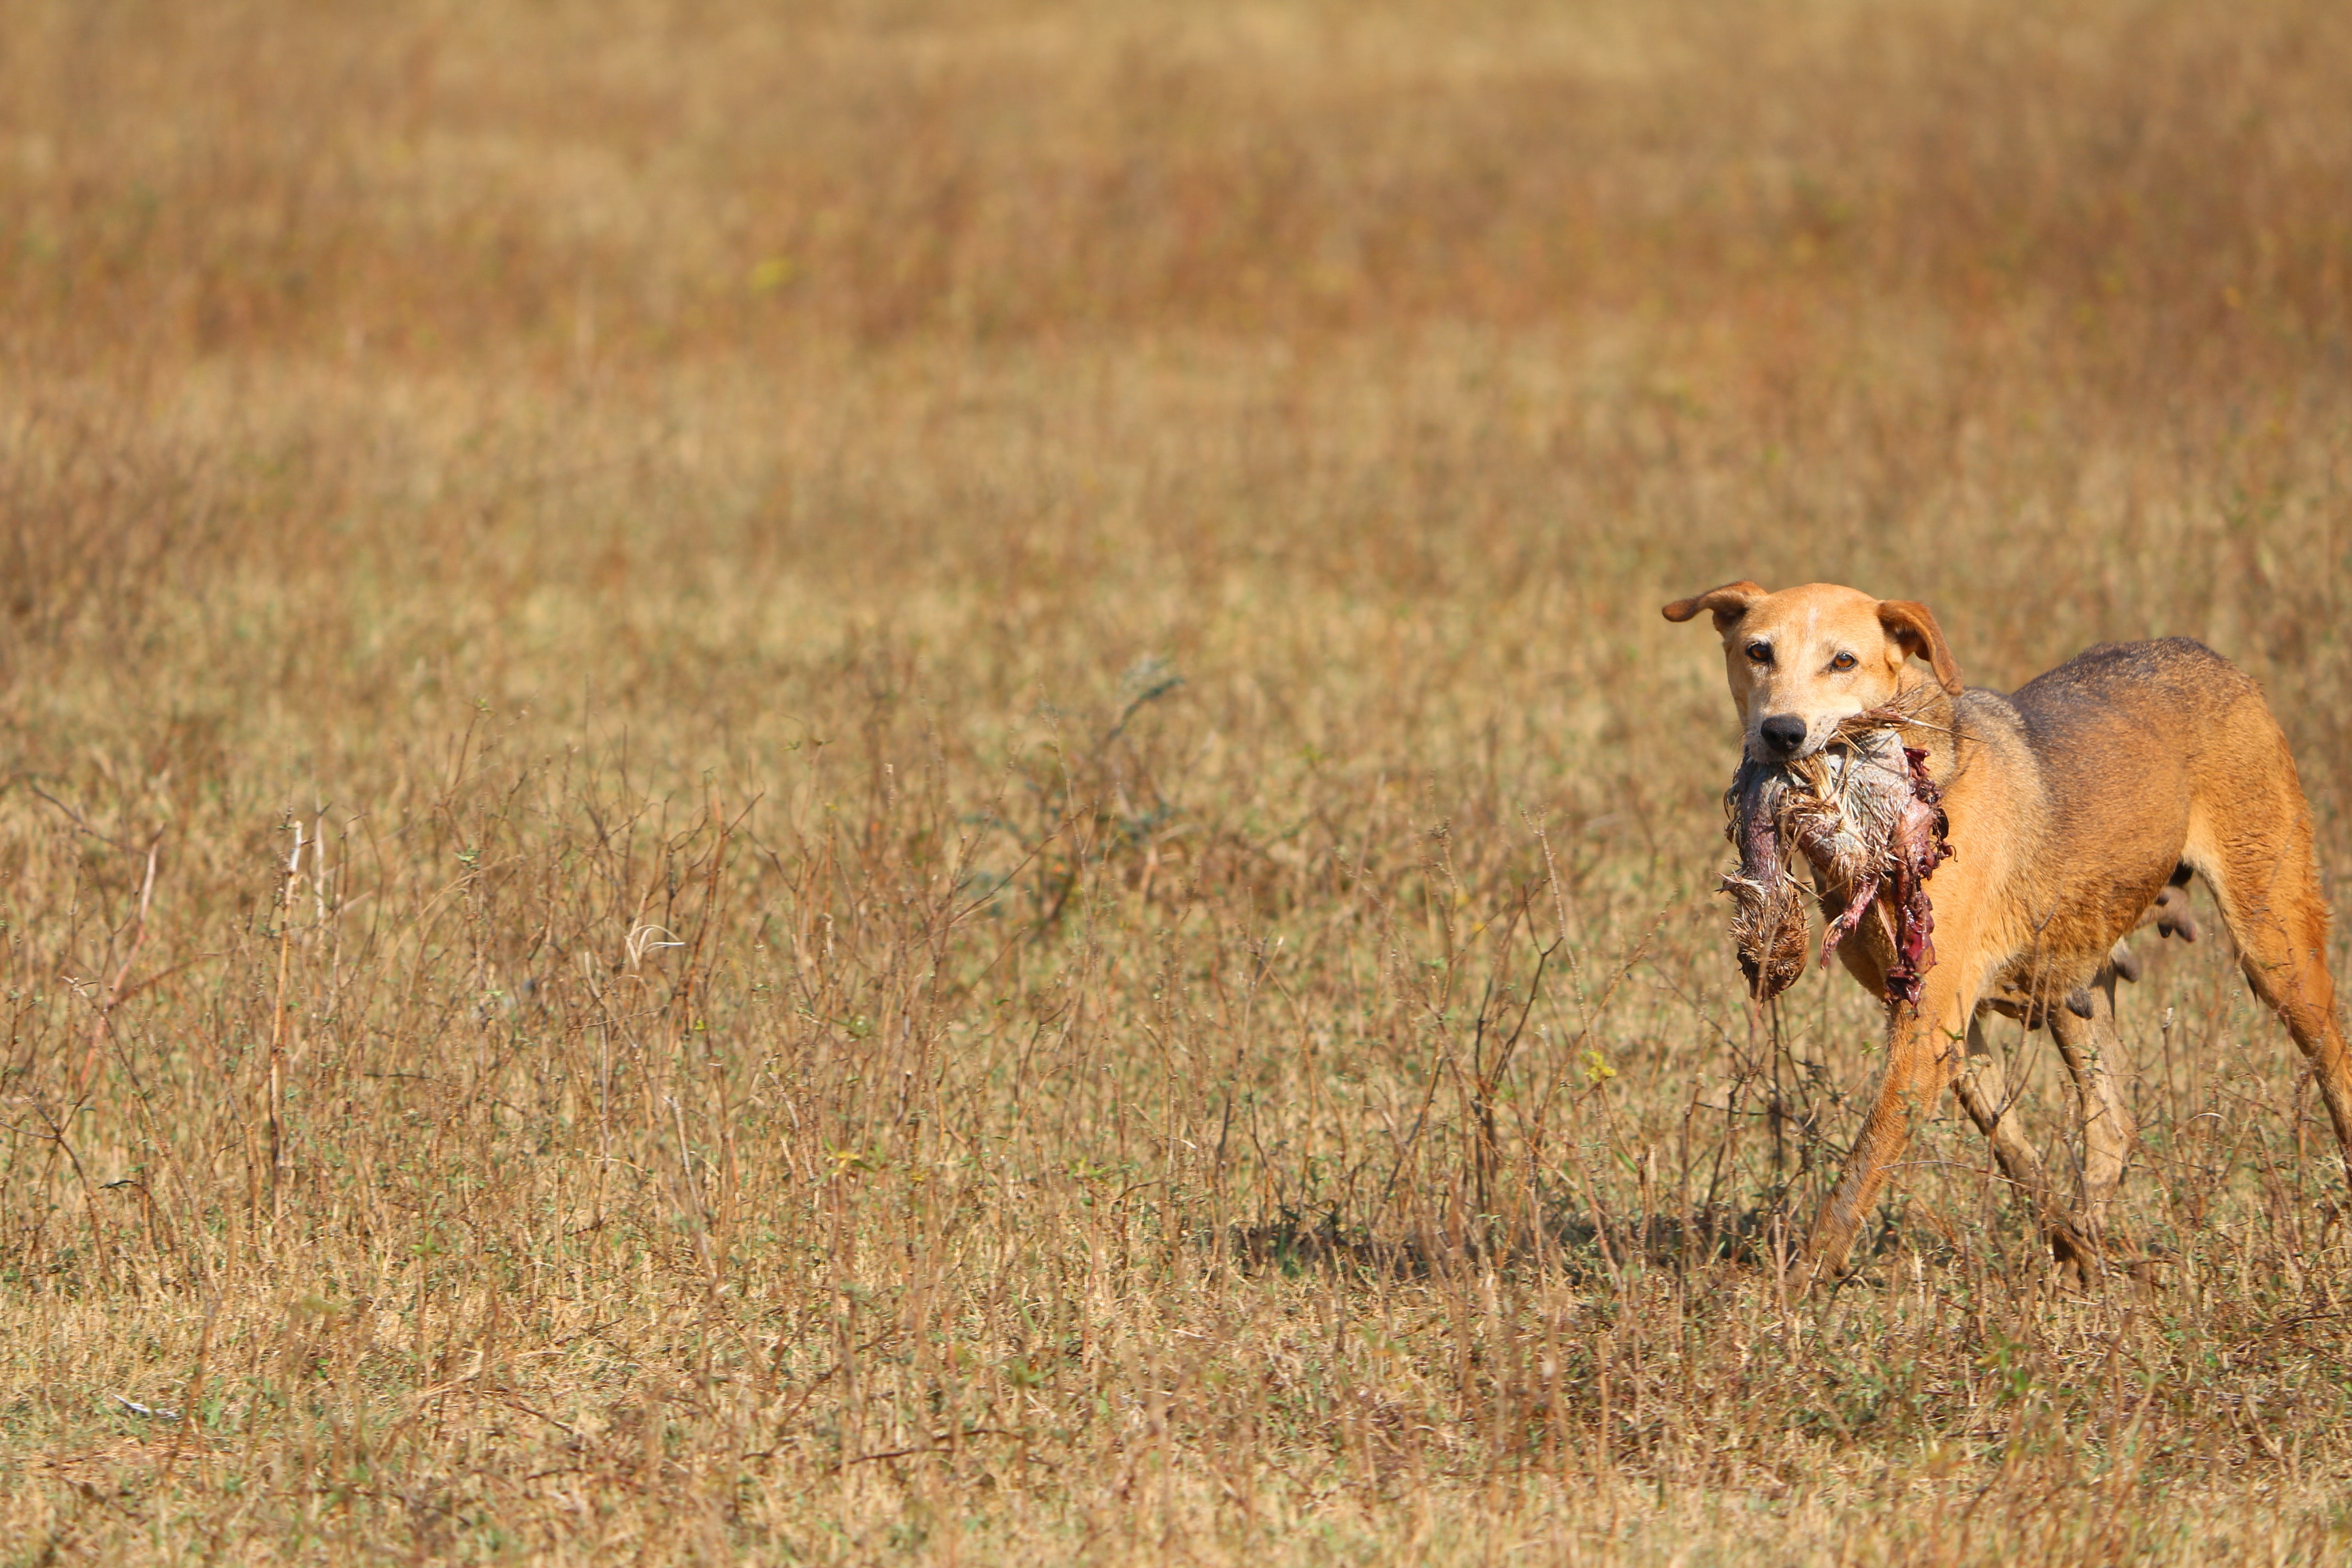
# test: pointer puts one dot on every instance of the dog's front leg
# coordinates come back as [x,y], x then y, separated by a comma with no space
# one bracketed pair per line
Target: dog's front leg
[1923,1058]
[2092,1047]
[1983,1087]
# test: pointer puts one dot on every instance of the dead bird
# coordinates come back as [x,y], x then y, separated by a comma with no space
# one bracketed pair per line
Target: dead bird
[1866,818]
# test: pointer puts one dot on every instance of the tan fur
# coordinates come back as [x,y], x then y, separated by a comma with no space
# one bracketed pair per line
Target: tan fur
[2073,803]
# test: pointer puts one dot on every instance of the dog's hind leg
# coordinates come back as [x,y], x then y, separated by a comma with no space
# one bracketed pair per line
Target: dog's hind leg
[2264,876]
[2092,1047]
[1983,1087]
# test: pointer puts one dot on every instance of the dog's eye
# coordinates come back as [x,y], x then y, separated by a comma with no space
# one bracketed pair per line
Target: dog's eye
[1843,662]
[1759,653]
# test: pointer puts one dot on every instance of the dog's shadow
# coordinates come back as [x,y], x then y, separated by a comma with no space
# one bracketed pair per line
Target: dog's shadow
[1763,1238]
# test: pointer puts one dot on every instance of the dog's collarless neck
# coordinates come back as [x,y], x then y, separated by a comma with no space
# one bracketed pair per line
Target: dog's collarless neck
[1933,728]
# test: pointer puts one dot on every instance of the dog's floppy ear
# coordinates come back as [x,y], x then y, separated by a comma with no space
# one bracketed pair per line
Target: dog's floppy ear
[1913,624]
[1728,604]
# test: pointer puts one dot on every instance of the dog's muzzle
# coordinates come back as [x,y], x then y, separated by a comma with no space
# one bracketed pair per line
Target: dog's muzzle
[1783,735]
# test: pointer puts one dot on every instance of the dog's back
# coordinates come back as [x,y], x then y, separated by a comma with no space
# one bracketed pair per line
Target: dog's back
[2101,708]
[2132,755]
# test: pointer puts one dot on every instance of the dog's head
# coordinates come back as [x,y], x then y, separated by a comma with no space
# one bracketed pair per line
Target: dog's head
[1801,660]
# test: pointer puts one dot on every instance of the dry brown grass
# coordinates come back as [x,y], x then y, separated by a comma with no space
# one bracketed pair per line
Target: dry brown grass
[1001,859]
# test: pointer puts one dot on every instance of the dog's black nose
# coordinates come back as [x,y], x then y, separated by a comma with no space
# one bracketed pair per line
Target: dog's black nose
[1783,733]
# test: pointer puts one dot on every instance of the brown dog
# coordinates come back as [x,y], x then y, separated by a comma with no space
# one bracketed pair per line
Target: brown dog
[2073,806]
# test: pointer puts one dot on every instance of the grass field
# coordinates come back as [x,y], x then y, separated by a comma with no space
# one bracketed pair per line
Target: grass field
[889,781]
